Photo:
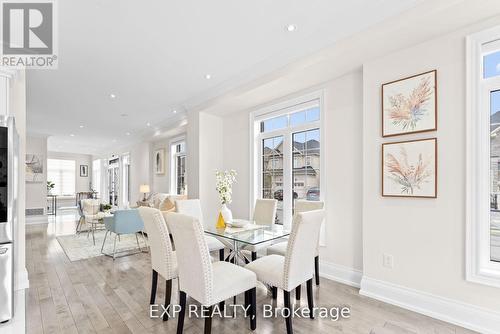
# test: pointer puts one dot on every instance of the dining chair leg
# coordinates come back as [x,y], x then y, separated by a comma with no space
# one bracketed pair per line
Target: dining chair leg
[208,321]
[274,291]
[93,234]
[182,312]
[247,303]
[297,292]
[254,256]
[114,247]
[253,308]
[168,296]
[221,254]
[104,241]
[138,245]
[288,318]
[154,283]
[310,302]
[316,269]
[222,306]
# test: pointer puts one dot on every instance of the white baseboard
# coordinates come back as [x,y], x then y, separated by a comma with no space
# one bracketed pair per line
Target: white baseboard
[43,219]
[21,281]
[340,273]
[449,310]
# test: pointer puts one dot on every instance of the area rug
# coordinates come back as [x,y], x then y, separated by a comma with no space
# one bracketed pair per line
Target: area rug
[79,246]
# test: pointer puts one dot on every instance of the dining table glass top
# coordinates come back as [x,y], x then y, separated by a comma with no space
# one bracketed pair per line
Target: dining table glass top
[251,234]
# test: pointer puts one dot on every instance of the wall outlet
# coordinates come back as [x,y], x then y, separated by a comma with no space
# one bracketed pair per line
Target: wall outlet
[388,261]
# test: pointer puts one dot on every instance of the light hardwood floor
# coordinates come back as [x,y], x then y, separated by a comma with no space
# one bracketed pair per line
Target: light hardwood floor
[98,295]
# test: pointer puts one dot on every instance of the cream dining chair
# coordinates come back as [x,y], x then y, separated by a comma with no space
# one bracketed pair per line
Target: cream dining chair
[92,217]
[290,271]
[264,213]
[192,207]
[280,248]
[163,257]
[208,283]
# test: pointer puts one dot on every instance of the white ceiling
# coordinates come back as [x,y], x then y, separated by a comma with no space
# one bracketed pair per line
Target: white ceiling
[154,56]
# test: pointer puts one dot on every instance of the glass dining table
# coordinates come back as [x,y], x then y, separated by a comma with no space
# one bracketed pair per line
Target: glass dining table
[236,238]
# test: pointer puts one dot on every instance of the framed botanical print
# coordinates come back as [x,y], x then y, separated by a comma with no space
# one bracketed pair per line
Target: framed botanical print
[409,168]
[159,161]
[409,105]
[84,170]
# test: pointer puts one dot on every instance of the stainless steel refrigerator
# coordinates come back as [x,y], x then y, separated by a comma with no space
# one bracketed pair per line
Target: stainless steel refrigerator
[9,166]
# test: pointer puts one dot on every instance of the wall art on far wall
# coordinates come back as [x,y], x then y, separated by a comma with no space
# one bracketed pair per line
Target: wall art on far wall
[84,170]
[159,161]
[409,105]
[409,168]
[34,168]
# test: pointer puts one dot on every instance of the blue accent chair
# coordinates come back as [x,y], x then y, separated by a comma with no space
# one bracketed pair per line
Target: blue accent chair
[123,222]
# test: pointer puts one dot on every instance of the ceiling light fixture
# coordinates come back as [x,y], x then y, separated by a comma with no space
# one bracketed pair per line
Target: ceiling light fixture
[291,27]
[113,96]
[208,76]
[174,111]
[128,133]
[81,126]
[71,135]
[148,124]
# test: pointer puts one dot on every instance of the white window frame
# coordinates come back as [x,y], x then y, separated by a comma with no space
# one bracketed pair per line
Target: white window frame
[173,162]
[479,267]
[256,137]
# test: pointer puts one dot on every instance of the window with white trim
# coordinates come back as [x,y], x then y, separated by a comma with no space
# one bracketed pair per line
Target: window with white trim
[287,155]
[178,167]
[63,174]
[483,157]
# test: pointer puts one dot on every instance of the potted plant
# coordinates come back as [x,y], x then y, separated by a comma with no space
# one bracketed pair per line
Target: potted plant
[106,207]
[50,186]
[224,186]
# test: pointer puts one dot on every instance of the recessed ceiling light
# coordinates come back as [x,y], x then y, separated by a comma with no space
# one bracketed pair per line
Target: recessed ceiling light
[291,27]
[113,96]
[208,76]
[71,135]
[174,111]
[148,124]
[81,126]
[128,133]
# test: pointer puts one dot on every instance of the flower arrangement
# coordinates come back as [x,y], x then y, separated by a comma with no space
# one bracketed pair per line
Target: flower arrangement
[409,176]
[408,111]
[224,185]
[50,186]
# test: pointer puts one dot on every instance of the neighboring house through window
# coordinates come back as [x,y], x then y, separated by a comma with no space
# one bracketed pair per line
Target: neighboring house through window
[483,157]
[287,154]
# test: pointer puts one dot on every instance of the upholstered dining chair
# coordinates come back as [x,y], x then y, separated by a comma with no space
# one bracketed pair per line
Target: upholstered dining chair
[280,247]
[192,207]
[208,283]
[264,213]
[123,222]
[90,210]
[163,257]
[290,271]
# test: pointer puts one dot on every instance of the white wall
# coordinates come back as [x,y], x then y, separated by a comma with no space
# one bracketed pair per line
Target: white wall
[82,183]
[343,142]
[36,193]
[425,236]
